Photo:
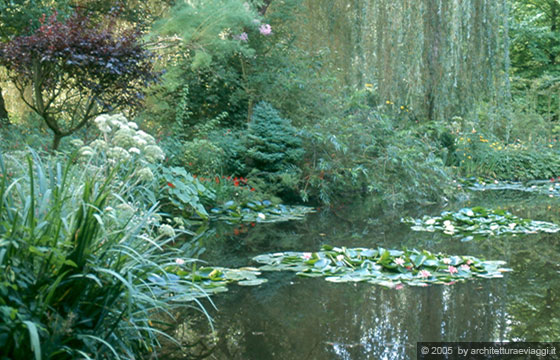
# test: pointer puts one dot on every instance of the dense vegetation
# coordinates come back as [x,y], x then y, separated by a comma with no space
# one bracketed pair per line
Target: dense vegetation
[121,130]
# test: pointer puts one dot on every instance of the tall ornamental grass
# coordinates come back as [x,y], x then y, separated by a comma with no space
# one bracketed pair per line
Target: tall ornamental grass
[82,267]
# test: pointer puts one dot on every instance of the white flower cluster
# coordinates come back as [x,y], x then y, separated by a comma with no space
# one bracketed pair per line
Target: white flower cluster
[122,141]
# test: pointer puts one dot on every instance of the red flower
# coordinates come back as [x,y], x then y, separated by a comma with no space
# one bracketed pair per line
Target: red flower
[253,224]
[236,182]
[171,185]
[252,189]
[235,231]
[217,180]
[551,179]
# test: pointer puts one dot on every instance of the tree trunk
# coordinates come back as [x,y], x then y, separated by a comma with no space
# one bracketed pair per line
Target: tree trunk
[3,112]
[56,141]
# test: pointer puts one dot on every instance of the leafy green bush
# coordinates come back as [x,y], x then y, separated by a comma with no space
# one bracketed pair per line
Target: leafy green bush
[478,156]
[272,143]
[362,153]
[79,250]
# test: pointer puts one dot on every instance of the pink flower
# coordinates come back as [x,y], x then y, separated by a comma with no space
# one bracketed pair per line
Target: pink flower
[265,29]
[399,261]
[306,255]
[399,286]
[446,261]
[469,262]
[243,37]
[452,269]
[465,267]
[179,261]
[424,273]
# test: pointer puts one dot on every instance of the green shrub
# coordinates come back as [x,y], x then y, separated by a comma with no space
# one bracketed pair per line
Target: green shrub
[83,251]
[478,156]
[78,250]
[363,154]
[272,142]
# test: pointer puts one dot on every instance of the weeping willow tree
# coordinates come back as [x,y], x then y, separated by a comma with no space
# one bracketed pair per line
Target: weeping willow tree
[437,57]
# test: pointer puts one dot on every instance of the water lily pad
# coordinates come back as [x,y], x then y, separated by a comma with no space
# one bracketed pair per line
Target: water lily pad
[255,211]
[382,267]
[468,223]
[253,282]
[210,280]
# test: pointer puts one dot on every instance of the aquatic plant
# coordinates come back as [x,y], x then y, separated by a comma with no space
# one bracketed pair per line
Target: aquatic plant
[259,211]
[479,221]
[381,266]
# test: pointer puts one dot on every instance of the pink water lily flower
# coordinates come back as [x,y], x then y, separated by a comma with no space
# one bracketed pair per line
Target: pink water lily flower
[465,267]
[306,255]
[399,261]
[452,270]
[424,273]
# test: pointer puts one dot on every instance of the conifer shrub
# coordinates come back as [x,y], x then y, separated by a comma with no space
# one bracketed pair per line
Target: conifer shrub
[274,150]
[273,144]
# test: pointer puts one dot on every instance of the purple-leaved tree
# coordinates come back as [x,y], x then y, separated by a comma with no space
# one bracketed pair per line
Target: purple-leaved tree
[77,70]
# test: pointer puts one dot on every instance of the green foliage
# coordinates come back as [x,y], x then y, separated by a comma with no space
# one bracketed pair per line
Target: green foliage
[535,44]
[479,221]
[362,153]
[273,144]
[203,157]
[380,266]
[76,248]
[184,193]
[478,156]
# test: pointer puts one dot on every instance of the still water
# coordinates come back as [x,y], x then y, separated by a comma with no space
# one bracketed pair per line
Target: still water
[309,318]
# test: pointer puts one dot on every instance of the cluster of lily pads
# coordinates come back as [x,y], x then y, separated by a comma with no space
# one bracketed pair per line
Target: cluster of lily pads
[479,221]
[205,281]
[542,187]
[259,211]
[390,268]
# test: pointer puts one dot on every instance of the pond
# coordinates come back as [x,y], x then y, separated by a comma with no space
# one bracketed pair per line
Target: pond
[291,317]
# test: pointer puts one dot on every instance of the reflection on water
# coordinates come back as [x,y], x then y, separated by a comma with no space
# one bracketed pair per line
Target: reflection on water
[300,318]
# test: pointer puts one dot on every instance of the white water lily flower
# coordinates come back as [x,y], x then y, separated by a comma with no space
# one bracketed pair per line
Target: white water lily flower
[430,221]
[494,227]
[447,223]
[261,216]
[340,257]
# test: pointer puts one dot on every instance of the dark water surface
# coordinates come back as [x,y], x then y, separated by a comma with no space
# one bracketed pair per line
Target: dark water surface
[309,318]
